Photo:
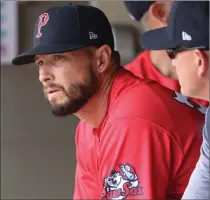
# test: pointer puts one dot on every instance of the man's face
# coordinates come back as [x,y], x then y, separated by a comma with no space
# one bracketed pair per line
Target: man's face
[187,67]
[157,17]
[68,80]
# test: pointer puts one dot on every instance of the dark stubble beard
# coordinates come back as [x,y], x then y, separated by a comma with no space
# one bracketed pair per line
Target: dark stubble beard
[78,95]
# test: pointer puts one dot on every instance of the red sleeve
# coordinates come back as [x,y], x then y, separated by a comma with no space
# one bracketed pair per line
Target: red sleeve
[85,175]
[137,159]
[77,171]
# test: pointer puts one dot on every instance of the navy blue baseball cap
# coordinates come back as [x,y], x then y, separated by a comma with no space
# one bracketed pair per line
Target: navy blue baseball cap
[136,9]
[188,27]
[67,28]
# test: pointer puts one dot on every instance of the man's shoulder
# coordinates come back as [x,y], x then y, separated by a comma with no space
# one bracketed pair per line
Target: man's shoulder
[149,100]
[135,93]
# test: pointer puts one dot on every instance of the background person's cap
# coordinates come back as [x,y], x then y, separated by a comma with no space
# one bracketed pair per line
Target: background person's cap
[188,27]
[136,9]
[67,28]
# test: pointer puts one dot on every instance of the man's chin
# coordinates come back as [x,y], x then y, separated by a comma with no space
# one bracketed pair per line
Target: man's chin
[57,113]
[63,110]
[56,102]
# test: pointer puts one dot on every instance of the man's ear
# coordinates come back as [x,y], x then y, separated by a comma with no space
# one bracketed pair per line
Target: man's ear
[201,63]
[158,13]
[103,56]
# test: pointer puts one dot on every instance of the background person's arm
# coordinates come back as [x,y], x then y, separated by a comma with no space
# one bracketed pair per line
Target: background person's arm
[199,185]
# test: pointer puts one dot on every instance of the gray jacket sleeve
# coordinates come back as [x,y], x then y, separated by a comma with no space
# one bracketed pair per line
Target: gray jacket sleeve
[198,186]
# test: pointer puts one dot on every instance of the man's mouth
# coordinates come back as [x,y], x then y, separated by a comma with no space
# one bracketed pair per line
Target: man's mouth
[51,91]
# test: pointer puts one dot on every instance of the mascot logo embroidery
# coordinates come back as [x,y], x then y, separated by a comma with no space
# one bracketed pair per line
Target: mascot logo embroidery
[121,184]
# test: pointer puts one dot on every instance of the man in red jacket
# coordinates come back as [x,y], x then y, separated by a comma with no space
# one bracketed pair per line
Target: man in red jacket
[150,64]
[136,139]
[154,65]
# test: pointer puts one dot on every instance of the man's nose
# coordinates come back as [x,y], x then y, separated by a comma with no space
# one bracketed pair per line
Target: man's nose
[45,74]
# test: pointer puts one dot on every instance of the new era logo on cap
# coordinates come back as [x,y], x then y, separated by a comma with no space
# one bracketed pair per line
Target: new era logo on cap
[185,36]
[93,35]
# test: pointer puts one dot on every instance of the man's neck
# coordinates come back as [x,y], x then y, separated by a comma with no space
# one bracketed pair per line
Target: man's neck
[95,110]
[205,95]
[163,63]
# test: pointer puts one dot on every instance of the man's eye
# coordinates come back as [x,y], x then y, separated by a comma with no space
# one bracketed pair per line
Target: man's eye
[58,57]
[40,62]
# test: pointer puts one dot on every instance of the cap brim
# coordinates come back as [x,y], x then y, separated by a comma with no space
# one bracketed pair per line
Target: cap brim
[28,57]
[157,39]
[136,9]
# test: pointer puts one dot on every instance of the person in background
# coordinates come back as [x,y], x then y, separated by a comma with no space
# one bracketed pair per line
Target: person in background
[149,64]
[186,41]
[136,138]
[154,65]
